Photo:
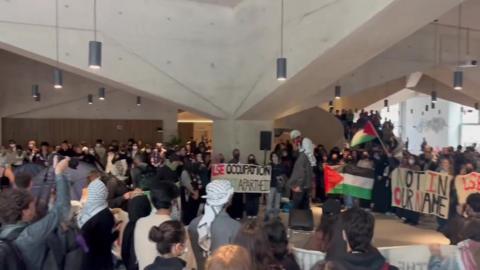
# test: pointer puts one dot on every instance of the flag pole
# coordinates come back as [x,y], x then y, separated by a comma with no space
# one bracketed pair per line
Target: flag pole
[380,139]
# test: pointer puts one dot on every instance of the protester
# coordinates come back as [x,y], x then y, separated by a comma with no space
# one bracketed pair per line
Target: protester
[190,190]
[276,233]
[252,200]
[215,227]
[252,238]
[235,210]
[277,185]
[96,224]
[17,210]
[163,198]
[358,227]
[467,224]
[170,238]
[300,181]
[138,207]
[328,235]
[229,257]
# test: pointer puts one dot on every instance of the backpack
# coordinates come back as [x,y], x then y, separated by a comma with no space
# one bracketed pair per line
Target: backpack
[10,255]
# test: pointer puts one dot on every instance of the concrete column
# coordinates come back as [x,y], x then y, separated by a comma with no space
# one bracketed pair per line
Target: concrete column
[242,134]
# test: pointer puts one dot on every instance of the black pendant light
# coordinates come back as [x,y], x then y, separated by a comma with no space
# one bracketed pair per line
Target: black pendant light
[458,74]
[338,92]
[90,99]
[281,61]
[94,46]
[35,91]
[476,106]
[101,93]
[432,105]
[57,72]
[434,96]
[139,101]
[426,108]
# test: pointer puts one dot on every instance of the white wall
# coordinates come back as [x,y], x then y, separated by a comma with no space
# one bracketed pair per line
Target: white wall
[441,126]
[241,134]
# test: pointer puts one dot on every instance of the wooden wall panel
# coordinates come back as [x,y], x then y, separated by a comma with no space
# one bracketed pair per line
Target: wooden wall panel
[77,130]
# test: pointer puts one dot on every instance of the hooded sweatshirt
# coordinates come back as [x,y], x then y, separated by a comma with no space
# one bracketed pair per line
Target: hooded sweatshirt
[370,260]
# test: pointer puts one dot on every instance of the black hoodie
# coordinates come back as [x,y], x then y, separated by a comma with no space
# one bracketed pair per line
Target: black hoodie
[370,260]
[167,264]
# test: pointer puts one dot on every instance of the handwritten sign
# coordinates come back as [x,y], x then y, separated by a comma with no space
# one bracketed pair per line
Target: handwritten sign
[438,257]
[245,178]
[425,192]
[467,184]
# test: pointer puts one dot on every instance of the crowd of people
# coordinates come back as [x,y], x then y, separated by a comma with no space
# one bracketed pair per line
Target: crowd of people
[177,218]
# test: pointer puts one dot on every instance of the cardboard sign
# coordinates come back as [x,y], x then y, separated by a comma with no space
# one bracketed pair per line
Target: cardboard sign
[467,184]
[424,192]
[245,178]
[434,257]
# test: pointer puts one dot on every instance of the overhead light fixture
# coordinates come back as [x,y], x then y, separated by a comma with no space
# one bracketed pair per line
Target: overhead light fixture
[434,96]
[338,92]
[385,103]
[476,106]
[35,91]
[57,78]
[411,111]
[90,99]
[432,105]
[139,101]
[282,61]
[426,108]
[330,104]
[94,46]
[37,98]
[458,80]
[57,72]
[458,74]
[101,93]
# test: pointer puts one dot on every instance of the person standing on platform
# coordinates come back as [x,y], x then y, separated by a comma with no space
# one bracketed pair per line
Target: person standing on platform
[300,181]
[252,200]
[235,210]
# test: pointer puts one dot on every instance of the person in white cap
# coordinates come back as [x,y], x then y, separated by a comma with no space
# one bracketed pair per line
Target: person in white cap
[215,227]
[300,181]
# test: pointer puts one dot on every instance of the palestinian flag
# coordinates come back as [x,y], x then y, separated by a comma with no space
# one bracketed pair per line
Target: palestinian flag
[366,134]
[349,180]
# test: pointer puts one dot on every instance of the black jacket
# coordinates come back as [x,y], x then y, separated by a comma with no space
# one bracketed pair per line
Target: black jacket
[99,237]
[167,264]
[370,260]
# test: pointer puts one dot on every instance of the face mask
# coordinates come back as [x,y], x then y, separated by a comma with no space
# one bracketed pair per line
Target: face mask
[469,170]
[411,161]
[236,156]
[148,151]
[135,148]
[98,145]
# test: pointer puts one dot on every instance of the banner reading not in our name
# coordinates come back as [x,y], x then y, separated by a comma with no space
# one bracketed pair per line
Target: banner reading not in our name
[245,178]
[425,192]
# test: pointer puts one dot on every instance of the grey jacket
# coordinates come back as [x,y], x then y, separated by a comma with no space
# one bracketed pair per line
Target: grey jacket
[32,240]
[224,230]
[302,173]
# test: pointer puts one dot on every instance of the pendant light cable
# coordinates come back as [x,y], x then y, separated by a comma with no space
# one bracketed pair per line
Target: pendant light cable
[281,28]
[95,20]
[57,34]
[459,32]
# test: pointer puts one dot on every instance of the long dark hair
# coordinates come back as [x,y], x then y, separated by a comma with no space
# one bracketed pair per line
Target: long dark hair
[276,234]
[167,234]
[255,241]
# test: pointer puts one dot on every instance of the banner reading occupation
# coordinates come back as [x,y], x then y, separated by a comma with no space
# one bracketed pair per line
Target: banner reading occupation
[425,192]
[349,180]
[467,184]
[245,178]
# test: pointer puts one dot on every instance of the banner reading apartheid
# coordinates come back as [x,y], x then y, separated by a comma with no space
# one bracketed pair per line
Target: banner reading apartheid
[349,180]
[245,178]
[425,192]
[467,184]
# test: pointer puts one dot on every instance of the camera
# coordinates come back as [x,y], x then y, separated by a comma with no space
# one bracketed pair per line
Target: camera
[72,163]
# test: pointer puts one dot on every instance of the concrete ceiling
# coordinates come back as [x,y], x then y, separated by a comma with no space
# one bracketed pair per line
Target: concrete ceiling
[220,62]
[228,3]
